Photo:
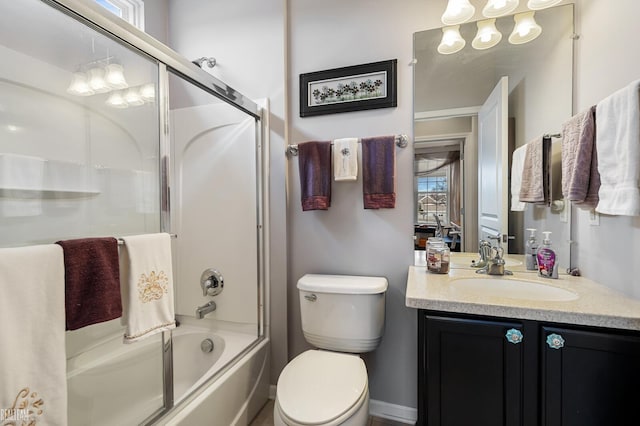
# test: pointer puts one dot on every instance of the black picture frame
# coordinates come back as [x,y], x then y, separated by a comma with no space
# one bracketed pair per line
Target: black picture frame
[353,88]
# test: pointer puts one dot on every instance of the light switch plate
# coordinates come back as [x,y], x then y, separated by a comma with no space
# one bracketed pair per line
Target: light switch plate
[594,218]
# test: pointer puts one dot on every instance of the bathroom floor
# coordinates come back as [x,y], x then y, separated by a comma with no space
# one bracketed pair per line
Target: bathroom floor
[265,418]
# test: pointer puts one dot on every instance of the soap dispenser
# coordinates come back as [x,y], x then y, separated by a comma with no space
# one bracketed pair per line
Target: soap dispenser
[547,259]
[531,251]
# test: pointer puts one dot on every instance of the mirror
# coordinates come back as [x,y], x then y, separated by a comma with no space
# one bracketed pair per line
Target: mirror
[449,91]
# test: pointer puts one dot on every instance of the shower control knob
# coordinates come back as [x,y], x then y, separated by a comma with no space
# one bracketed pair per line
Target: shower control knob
[211,282]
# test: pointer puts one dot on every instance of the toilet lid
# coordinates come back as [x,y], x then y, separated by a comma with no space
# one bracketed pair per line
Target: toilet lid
[319,386]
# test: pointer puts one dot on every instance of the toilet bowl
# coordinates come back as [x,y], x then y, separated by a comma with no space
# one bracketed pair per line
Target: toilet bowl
[343,316]
[322,388]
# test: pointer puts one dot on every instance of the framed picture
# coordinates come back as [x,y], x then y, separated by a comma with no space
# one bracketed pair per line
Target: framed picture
[354,88]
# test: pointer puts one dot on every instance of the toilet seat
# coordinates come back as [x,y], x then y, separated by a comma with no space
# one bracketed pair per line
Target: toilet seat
[320,387]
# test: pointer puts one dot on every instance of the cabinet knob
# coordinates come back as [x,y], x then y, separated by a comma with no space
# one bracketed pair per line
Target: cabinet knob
[555,341]
[514,336]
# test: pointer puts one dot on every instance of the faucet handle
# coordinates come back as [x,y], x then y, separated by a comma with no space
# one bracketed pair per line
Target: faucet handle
[211,282]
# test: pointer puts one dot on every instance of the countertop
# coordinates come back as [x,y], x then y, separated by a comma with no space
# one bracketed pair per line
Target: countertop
[595,305]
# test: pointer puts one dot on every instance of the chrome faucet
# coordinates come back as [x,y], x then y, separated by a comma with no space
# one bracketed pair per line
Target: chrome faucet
[495,263]
[203,310]
[484,249]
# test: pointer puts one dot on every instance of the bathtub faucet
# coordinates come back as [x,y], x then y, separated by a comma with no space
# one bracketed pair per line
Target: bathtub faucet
[203,310]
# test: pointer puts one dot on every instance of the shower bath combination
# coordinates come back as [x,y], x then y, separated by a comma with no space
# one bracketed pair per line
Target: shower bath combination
[91,168]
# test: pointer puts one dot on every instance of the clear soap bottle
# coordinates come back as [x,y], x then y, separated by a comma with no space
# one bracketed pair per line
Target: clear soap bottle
[531,251]
[547,259]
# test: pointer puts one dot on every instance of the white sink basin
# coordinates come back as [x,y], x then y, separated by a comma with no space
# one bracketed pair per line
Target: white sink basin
[511,288]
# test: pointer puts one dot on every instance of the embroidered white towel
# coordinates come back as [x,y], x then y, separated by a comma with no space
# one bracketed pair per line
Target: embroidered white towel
[345,159]
[517,167]
[147,285]
[33,364]
[618,150]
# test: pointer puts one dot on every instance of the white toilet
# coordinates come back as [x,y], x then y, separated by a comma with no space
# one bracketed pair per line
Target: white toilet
[343,315]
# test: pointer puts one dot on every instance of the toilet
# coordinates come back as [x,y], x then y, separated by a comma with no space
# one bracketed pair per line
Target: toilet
[342,316]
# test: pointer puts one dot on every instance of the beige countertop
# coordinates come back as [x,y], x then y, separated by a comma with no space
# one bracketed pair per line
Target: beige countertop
[593,304]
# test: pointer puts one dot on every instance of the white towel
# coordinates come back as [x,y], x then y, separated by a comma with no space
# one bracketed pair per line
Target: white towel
[345,159]
[517,167]
[618,149]
[21,177]
[32,336]
[147,285]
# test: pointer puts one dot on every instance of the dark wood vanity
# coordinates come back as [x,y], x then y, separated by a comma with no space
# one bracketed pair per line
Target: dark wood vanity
[553,374]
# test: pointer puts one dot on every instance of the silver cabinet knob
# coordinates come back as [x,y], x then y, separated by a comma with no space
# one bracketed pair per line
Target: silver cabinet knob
[555,341]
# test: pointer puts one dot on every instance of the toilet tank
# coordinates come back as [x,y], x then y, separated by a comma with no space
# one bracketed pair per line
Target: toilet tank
[342,312]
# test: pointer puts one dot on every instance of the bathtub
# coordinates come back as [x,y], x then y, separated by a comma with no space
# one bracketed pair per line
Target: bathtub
[121,384]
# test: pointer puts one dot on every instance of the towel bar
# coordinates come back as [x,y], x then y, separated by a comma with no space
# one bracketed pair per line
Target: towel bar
[401,141]
[121,241]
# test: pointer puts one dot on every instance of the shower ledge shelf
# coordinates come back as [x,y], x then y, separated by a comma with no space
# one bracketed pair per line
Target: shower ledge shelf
[45,193]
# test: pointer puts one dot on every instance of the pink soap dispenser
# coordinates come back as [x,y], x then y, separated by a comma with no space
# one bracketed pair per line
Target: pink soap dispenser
[547,259]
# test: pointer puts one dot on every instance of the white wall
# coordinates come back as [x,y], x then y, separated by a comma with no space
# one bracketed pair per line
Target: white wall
[607,59]
[247,40]
[347,239]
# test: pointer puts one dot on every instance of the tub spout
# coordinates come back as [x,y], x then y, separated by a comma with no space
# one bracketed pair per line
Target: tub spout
[201,311]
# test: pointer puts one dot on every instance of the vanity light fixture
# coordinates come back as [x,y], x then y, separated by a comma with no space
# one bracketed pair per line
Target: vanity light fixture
[457,12]
[487,35]
[541,4]
[525,29]
[79,85]
[496,8]
[452,41]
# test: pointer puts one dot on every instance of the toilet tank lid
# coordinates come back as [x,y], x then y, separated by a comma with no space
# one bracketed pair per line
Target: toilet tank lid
[342,284]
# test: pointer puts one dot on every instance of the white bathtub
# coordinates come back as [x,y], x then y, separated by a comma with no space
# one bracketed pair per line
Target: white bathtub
[121,384]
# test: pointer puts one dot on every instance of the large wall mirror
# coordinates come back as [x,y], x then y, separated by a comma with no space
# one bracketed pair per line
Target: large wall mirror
[534,81]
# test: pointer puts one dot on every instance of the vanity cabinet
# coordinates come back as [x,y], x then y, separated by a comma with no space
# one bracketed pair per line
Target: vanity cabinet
[489,371]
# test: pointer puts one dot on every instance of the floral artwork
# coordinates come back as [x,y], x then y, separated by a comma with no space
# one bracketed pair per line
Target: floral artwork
[352,88]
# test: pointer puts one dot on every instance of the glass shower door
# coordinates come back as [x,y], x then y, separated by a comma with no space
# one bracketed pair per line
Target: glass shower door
[215,213]
[79,157]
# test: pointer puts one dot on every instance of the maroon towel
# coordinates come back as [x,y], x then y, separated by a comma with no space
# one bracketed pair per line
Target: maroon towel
[92,281]
[314,162]
[379,172]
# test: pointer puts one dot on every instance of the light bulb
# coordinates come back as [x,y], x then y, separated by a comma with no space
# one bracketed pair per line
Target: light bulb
[525,29]
[496,8]
[541,4]
[116,100]
[97,81]
[114,76]
[452,41]
[487,35]
[457,12]
[148,92]
[133,98]
[79,85]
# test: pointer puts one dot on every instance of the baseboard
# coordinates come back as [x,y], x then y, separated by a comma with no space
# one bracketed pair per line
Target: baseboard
[399,413]
[380,409]
[272,392]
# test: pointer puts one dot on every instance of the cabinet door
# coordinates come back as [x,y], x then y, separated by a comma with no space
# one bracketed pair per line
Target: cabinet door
[471,373]
[591,379]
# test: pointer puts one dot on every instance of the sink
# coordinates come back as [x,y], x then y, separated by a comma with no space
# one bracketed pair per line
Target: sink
[511,288]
